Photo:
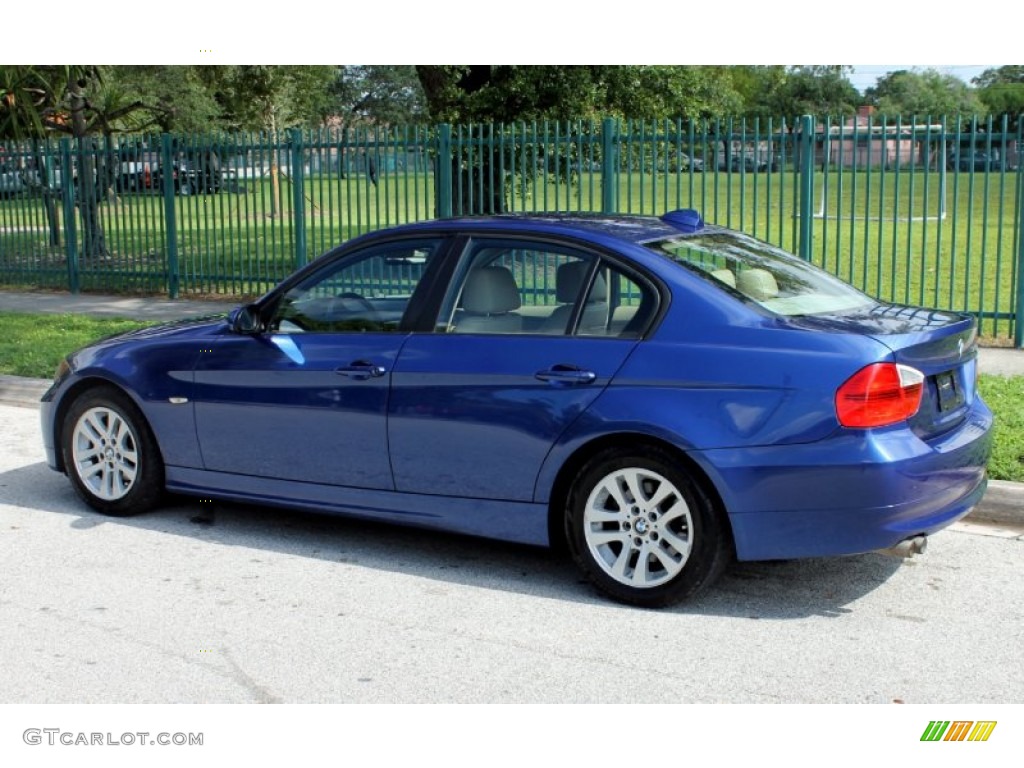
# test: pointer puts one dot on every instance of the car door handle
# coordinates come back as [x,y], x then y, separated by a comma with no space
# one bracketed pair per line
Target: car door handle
[361,370]
[566,375]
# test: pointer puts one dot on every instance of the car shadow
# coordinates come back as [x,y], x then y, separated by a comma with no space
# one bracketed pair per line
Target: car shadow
[754,590]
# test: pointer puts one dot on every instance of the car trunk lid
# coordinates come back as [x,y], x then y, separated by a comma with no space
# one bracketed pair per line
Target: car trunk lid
[942,345]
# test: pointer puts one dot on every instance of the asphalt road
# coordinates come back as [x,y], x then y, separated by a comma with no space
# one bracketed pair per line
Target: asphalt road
[198,603]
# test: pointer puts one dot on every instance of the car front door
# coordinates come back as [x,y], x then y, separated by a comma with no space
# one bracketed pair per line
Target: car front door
[528,336]
[306,398]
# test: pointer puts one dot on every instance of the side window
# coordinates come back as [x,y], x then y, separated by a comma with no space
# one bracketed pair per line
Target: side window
[510,287]
[364,292]
[617,304]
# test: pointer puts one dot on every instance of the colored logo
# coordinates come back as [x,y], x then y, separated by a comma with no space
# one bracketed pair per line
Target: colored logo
[958,730]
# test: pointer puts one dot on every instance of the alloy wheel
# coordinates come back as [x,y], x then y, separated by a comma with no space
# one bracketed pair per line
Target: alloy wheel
[638,527]
[105,453]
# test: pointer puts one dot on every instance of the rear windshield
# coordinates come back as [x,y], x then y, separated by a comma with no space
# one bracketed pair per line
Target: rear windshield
[762,273]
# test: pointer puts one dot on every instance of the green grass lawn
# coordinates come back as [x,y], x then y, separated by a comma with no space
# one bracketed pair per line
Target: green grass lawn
[1005,396]
[880,230]
[33,345]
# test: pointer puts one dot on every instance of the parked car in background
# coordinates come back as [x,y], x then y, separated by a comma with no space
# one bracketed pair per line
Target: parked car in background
[12,181]
[748,163]
[194,173]
[973,160]
[691,163]
[658,395]
[136,166]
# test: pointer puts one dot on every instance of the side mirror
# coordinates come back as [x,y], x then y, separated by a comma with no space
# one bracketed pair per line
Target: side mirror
[246,320]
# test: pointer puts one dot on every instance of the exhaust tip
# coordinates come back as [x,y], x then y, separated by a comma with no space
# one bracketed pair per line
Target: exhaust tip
[907,548]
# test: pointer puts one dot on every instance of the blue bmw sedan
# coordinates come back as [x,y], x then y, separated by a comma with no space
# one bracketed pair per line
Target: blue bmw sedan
[658,395]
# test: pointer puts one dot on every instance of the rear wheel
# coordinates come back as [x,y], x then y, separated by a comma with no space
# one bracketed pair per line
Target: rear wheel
[110,454]
[643,530]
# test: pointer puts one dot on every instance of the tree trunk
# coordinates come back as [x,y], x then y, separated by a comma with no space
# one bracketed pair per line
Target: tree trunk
[52,221]
[275,177]
[94,244]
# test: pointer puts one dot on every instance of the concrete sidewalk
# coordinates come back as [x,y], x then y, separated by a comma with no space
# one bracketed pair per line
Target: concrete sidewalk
[1001,361]
[1003,504]
[132,307]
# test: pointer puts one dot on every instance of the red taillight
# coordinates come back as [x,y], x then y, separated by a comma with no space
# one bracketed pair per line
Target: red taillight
[878,395]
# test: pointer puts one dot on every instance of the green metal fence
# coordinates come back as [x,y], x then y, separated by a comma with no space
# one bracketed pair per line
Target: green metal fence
[920,211]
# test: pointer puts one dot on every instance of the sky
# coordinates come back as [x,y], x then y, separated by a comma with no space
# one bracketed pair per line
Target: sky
[865,75]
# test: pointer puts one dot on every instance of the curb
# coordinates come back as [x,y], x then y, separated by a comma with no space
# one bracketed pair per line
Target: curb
[26,393]
[1002,504]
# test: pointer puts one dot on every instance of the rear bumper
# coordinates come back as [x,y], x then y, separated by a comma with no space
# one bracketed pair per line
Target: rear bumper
[856,492]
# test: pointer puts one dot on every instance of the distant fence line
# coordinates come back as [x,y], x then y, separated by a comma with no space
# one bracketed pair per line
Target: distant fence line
[919,211]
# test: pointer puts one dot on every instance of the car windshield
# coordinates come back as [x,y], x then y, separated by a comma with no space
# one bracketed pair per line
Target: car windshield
[759,272]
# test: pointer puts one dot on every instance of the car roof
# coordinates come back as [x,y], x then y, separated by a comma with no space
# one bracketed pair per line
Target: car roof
[590,226]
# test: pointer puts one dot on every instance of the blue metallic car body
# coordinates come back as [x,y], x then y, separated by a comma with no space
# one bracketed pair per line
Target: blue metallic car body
[459,433]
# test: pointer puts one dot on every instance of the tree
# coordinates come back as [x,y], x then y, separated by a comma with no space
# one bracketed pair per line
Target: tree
[25,93]
[70,100]
[261,97]
[756,86]
[93,241]
[1001,90]
[804,90]
[380,95]
[662,92]
[1013,73]
[174,99]
[490,93]
[922,93]
[486,94]
[25,96]
[271,98]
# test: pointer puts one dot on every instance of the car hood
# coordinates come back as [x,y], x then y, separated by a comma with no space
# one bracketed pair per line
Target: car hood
[199,327]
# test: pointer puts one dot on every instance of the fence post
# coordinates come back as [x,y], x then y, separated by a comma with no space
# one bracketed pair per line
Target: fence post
[298,197]
[1018,316]
[609,180]
[67,194]
[806,185]
[170,215]
[444,171]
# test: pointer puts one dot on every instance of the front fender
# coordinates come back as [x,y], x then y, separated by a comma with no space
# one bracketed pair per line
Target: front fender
[158,379]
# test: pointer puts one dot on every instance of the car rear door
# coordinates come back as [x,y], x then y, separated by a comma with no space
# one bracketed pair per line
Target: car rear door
[477,405]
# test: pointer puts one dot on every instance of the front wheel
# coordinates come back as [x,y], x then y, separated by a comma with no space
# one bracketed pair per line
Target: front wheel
[110,455]
[643,530]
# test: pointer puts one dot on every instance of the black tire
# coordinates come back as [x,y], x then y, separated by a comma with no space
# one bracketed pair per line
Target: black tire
[643,530]
[110,454]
